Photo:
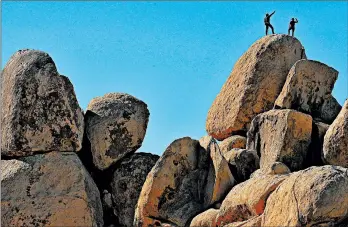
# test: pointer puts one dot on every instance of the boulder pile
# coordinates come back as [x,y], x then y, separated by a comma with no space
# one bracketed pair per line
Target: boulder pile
[276,153]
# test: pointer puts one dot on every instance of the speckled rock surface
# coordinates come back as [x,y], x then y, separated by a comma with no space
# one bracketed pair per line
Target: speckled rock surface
[174,190]
[205,219]
[39,110]
[308,84]
[116,125]
[127,181]
[253,86]
[232,142]
[52,189]
[281,135]
[316,196]
[335,151]
[248,199]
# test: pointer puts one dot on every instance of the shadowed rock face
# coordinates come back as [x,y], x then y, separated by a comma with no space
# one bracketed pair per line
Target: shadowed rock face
[316,196]
[128,179]
[308,89]
[40,112]
[335,146]
[116,125]
[281,135]
[52,189]
[253,86]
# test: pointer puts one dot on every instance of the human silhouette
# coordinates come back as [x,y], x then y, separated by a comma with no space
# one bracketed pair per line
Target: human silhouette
[267,21]
[292,26]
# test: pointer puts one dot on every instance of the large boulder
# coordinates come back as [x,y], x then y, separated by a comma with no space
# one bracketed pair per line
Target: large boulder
[281,135]
[220,179]
[336,140]
[242,163]
[232,142]
[254,84]
[127,181]
[205,219]
[182,184]
[39,109]
[248,199]
[52,189]
[308,89]
[252,222]
[316,196]
[115,126]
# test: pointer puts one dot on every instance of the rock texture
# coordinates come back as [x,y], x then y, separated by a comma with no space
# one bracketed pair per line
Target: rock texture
[307,88]
[336,140]
[205,219]
[39,110]
[51,189]
[248,199]
[315,150]
[242,163]
[175,189]
[128,179]
[252,222]
[232,142]
[281,135]
[253,86]
[220,180]
[317,196]
[116,125]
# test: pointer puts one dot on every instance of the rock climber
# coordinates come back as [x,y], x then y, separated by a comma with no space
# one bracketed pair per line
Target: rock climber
[292,26]
[268,23]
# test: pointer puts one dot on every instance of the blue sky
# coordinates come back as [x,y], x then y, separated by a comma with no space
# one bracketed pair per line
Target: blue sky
[175,56]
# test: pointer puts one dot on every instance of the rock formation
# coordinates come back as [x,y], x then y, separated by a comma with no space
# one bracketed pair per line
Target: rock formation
[51,189]
[127,181]
[39,110]
[308,89]
[336,140]
[116,125]
[256,81]
[281,135]
[232,142]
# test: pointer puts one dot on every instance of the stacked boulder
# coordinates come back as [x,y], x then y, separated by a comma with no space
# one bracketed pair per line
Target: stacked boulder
[43,182]
[281,104]
[281,161]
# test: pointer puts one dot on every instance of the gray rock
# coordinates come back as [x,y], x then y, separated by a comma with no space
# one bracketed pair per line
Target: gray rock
[335,151]
[175,189]
[116,125]
[281,136]
[52,189]
[127,181]
[39,110]
[308,89]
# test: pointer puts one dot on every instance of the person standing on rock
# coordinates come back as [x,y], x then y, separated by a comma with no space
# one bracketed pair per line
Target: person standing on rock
[292,26]
[267,21]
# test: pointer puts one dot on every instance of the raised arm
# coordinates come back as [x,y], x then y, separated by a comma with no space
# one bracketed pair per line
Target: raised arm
[296,21]
[272,13]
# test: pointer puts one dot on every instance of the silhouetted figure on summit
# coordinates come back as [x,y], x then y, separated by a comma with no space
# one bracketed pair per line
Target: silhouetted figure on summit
[292,26]
[267,21]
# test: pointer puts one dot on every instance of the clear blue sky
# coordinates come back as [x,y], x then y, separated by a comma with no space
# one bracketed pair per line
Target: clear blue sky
[175,56]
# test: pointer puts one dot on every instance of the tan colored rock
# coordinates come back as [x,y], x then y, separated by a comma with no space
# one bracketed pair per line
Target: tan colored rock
[127,181]
[52,189]
[336,140]
[274,169]
[248,199]
[174,190]
[116,125]
[220,179]
[252,222]
[232,142]
[281,136]
[253,86]
[308,84]
[242,163]
[40,112]
[205,219]
[316,196]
